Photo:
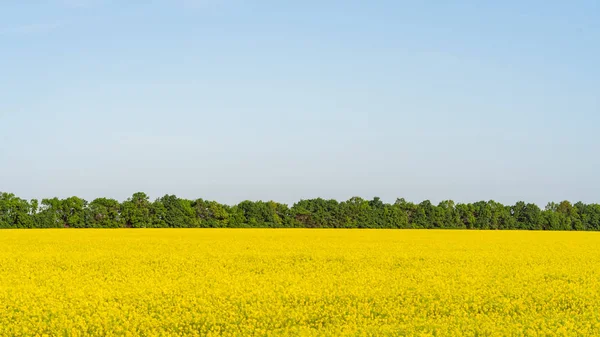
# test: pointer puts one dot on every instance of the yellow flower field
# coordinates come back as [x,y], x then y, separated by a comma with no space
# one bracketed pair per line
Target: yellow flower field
[298,282]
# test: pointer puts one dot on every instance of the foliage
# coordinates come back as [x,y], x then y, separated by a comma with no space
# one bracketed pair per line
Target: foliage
[171,211]
[136,211]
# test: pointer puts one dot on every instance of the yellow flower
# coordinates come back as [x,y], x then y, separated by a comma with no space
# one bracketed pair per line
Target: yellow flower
[298,282]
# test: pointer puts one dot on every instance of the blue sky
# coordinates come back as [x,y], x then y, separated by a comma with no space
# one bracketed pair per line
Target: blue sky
[233,100]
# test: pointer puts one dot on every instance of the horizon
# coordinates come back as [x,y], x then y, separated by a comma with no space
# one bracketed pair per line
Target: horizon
[390,202]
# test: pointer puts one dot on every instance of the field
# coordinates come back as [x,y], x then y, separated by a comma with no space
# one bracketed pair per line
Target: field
[257,282]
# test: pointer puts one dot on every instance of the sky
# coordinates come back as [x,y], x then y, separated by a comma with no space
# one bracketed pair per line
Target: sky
[231,100]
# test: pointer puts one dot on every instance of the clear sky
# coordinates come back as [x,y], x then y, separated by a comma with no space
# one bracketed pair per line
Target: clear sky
[232,100]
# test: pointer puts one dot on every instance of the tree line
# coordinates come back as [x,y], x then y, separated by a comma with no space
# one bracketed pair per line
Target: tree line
[173,212]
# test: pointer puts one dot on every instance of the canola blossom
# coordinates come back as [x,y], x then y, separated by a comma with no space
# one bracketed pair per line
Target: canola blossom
[298,282]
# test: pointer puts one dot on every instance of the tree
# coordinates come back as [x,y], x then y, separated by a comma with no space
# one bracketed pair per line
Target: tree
[178,212]
[527,216]
[356,213]
[14,212]
[49,214]
[210,213]
[317,213]
[136,211]
[72,212]
[466,214]
[408,208]
[104,213]
[450,216]
[425,215]
[171,211]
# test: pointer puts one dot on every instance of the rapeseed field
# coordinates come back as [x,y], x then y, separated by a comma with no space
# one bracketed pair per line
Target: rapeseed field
[298,282]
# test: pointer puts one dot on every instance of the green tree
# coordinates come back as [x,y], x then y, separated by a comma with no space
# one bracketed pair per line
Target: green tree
[104,213]
[72,212]
[317,213]
[527,216]
[135,211]
[178,212]
[14,212]
[356,213]
[451,217]
[49,214]
[210,213]
[466,214]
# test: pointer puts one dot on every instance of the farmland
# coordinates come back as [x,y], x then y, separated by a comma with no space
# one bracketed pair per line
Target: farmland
[305,282]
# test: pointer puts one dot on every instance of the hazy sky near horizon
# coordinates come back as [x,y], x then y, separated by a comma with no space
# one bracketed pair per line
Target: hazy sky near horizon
[232,100]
